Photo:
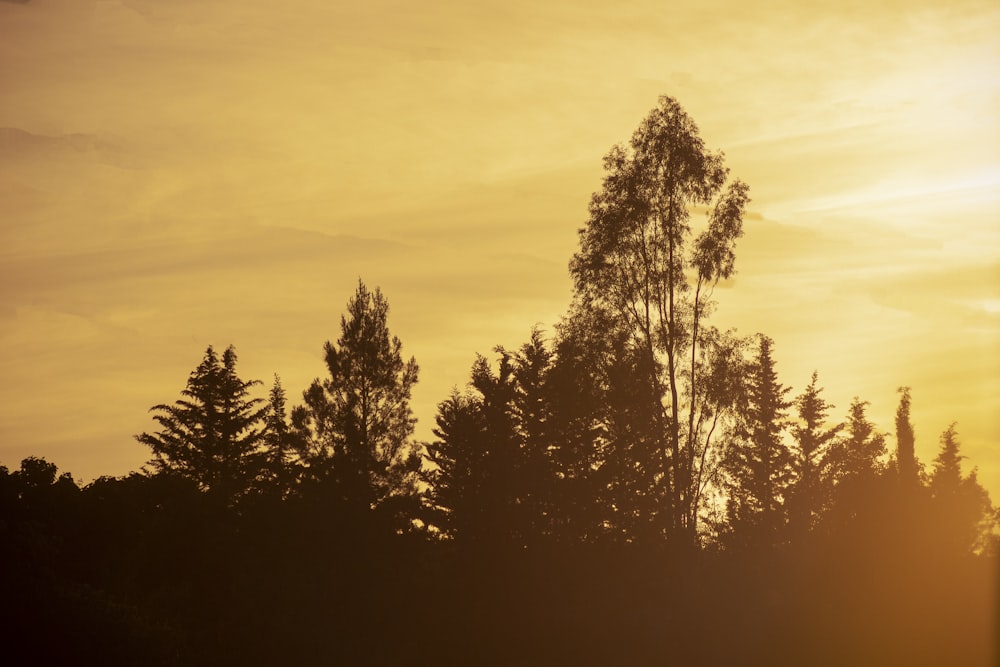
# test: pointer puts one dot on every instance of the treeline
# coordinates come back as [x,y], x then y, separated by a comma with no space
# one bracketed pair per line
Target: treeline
[637,487]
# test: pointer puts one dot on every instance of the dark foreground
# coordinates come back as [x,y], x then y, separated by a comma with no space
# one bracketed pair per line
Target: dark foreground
[138,572]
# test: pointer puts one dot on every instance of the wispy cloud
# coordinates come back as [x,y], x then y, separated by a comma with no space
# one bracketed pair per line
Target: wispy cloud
[179,173]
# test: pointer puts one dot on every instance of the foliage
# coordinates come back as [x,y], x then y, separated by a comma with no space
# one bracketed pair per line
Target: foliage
[962,513]
[456,483]
[810,492]
[356,425]
[759,463]
[214,434]
[906,464]
[634,261]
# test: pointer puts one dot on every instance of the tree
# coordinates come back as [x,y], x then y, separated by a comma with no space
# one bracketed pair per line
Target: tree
[502,453]
[809,494]
[590,440]
[946,475]
[281,444]
[864,511]
[608,450]
[759,464]
[456,482]
[532,407]
[962,513]
[356,425]
[907,466]
[634,262]
[506,523]
[214,434]
[858,453]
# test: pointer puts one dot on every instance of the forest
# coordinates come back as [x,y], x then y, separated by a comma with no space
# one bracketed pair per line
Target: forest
[634,487]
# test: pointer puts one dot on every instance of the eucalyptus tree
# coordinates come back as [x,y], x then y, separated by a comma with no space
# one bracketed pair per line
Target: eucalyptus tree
[638,261]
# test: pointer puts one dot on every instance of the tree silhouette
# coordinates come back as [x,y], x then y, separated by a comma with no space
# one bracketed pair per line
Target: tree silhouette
[555,516]
[590,458]
[502,446]
[858,453]
[533,418]
[907,466]
[633,262]
[281,443]
[759,464]
[356,425]
[456,482]
[810,493]
[963,516]
[214,435]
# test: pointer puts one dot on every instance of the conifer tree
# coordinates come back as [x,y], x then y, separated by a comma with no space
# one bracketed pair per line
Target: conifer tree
[809,494]
[962,511]
[356,425]
[214,434]
[759,464]
[280,444]
[857,454]
[907,466]
[532,411]
[456,481]
[502,486]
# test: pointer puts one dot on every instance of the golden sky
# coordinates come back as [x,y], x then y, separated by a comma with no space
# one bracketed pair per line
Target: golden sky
[175,173]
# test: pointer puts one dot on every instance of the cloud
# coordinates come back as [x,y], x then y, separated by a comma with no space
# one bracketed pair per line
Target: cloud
[180,173]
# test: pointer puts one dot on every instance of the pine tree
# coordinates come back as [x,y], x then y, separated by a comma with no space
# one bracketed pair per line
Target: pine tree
[532,412]
[502,486]
[581,429]
[907,466]
[759,465]
[457,479]
[858,453]
[281,444]
[213,435]
[946,475]
[809,494]
[962,512]
[356,425]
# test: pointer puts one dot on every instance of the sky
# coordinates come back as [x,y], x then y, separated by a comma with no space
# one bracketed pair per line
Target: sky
[181,173]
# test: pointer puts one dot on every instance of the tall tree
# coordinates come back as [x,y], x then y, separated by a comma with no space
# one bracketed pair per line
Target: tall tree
[809,494]
[456,480]
[962,512]
[907,466]
[356,425]
[634,261]
[503,489]
[759,464]
[589,436]
[532,411]
[280,444]
[214,434]
[946,475]
[862,509]
[858,453]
